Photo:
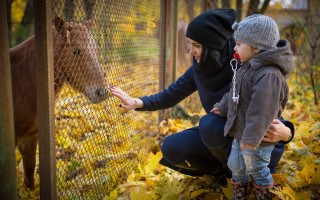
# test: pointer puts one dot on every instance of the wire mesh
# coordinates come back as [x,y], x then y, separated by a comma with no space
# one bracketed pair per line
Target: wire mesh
[97,143]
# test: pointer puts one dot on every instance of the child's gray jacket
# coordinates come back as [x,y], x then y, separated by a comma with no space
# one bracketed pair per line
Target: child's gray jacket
[263,93]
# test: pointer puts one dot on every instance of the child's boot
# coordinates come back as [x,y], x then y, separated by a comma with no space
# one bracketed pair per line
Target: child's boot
[263,192]
[241,190]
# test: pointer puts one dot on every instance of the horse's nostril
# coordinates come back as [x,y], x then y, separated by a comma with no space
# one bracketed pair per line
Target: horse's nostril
[101,92]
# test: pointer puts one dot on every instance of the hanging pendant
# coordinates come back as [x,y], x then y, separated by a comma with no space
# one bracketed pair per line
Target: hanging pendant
[234,65]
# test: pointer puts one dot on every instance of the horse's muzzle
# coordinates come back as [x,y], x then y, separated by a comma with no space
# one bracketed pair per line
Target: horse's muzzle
[100,94]
[96,94]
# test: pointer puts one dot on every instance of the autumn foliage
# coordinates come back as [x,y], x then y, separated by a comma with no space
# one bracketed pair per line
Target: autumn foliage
[81,128]
[297,176]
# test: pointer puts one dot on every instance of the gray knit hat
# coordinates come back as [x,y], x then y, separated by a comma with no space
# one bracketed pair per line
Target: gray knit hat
[258,31]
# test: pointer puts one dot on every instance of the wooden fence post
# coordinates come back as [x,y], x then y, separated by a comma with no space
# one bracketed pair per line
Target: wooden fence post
[45,99]
[8,177]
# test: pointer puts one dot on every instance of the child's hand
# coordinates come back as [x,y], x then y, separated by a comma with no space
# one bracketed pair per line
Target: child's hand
[243,146]
[215,111]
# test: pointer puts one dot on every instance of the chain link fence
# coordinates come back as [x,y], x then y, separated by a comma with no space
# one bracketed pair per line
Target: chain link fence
[98,144]
[107,42]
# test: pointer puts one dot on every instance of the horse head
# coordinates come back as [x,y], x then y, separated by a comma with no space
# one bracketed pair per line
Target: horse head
[76,59]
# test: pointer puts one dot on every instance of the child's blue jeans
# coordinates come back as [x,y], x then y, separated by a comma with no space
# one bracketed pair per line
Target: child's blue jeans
[250,162]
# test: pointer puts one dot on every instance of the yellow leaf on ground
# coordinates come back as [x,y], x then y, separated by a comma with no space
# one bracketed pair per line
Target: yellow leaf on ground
[300,144]
[228,192]
[139,193]
[113,195]
[288,192]
[279,179]
[196,193]
[211,196]
[163,127]
[172,127]
[308,175]
[303,130]
[316,148]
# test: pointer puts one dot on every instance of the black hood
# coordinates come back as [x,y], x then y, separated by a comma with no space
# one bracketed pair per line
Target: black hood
[212,28]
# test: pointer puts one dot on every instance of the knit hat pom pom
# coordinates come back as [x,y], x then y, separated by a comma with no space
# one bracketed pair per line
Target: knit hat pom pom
[234,26]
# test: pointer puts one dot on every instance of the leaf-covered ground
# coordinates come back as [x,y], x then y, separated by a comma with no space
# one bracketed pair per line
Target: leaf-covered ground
[297,177]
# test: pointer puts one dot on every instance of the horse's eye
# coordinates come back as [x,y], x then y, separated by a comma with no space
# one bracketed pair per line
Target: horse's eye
[76,52]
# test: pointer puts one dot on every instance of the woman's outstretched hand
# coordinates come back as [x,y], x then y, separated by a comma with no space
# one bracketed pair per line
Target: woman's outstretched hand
[276,132]
[128,103]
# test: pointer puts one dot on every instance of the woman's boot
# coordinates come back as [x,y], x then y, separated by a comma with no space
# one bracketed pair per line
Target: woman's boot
[241,190]
[219,153]
[263,192]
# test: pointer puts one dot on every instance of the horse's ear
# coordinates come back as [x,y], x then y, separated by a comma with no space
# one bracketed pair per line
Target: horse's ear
[89,23]
[58,23]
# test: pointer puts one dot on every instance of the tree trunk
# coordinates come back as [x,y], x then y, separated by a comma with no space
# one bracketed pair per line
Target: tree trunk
[68,10]
[28,14]
[253,7]
[9,22]
[239,10]
[191,8]
[210,4]
[225,3]
[26,28]
[264,6]
[89,5]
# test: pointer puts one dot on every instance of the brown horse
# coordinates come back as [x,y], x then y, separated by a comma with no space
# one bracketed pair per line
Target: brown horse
[75,62]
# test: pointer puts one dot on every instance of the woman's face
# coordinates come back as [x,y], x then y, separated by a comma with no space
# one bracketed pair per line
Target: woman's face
[195,49]
[246,52]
